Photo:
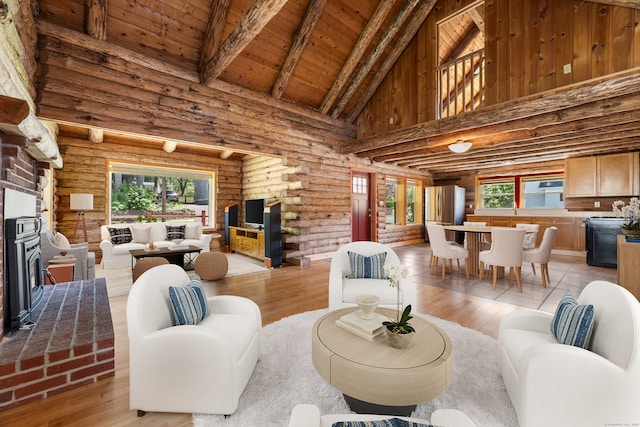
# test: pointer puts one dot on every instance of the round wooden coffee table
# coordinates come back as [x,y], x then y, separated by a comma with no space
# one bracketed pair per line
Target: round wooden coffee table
[375,377]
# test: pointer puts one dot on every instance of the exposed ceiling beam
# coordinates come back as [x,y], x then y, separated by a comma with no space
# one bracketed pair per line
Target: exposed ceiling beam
[213,33]
[376,53]
[96,18]
[361,46]
[472,32]
[300,40]
[247,29]
[624,3]
[410,31]
[478,17]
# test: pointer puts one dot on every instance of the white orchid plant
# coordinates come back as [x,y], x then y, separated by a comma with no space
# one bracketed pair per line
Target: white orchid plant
[630,212]
[395,272]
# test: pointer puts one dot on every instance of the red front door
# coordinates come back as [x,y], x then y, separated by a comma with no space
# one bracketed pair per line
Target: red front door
[360,206]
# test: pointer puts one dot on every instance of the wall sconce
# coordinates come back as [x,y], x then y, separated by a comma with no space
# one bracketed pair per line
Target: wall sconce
[460,146]
[81,202]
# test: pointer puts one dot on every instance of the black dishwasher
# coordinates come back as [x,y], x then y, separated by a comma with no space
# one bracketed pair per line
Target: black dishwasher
[601,240]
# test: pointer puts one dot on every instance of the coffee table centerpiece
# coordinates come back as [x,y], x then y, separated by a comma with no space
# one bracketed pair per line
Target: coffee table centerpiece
[399,331]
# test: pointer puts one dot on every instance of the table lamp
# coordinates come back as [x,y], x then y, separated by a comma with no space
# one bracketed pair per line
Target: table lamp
[81,202]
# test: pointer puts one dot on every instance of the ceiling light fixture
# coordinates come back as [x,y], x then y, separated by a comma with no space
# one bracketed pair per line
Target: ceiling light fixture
[460,146]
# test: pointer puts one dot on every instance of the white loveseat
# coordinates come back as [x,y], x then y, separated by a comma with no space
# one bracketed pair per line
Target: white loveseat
[117,255]
[553,384]
[194,368]
[307,415]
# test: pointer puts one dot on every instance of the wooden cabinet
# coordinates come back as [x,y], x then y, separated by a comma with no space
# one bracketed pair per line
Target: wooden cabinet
[629,265]
[611,175]
[570,234]
[580,177]
[247,241]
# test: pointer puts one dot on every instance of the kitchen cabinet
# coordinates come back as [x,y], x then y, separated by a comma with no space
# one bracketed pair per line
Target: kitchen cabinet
[628,265]
[611,175]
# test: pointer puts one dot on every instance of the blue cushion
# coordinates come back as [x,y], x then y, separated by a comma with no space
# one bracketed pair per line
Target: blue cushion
[391,422]
[572,323]
[189,303]
[367,267]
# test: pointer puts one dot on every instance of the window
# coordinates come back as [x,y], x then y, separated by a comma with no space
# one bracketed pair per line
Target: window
[524,191]
[543,192]
[392,198]
[155,193]
[404,201]
[411,202]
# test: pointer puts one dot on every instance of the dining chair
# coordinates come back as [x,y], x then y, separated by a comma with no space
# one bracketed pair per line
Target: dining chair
[506,251]
[531,235]
[542,254]
[441,249]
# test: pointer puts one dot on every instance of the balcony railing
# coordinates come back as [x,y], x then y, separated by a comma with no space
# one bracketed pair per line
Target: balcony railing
[461,84]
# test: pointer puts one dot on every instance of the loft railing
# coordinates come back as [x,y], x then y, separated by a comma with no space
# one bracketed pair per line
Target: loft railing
[461,84]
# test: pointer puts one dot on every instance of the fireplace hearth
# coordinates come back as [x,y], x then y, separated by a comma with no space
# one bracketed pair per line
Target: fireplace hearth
[24,281]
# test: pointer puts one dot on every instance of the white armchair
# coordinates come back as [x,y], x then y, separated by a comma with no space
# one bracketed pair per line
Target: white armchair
[307,415]
[201,368]
[85,260]
[343,291]
[555,384]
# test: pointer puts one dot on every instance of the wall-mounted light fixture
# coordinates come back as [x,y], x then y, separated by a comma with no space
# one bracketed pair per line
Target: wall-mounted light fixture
[460,146]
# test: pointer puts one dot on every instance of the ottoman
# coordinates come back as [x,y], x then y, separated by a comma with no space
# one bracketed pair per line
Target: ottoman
[145,264]
[211,265]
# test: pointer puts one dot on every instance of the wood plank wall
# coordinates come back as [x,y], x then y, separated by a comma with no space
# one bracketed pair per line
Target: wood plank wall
[527,44]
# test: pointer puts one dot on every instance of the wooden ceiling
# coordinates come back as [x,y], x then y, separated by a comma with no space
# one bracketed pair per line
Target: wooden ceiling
[324,55]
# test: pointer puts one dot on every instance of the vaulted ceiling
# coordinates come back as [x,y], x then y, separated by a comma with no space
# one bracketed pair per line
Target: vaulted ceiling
[328,56]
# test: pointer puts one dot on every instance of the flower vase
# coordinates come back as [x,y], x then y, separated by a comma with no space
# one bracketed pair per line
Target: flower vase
[398,340]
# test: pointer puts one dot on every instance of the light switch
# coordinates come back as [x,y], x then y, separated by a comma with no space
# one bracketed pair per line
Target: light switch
[596,204]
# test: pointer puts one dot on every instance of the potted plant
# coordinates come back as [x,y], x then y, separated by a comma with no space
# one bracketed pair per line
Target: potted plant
[399,331]
[630,213]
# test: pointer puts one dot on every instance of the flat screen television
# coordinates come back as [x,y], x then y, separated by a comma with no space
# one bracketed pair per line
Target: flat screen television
[253,210]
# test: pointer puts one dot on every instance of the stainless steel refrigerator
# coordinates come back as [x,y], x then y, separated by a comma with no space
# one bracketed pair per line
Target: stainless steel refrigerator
[445,205]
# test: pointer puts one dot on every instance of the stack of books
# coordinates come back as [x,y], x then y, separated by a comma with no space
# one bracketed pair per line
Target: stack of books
[369,329]
[632,239]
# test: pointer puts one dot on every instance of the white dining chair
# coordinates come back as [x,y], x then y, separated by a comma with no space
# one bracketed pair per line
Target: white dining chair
[506,251]
[542,254]
[441,249]
[531,235]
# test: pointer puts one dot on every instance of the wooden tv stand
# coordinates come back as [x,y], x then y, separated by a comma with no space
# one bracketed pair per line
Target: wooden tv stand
[247,241]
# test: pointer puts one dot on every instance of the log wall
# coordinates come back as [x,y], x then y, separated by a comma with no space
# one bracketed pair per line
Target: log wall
[527,44]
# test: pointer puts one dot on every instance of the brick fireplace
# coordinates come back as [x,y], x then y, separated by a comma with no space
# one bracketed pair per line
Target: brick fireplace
[72,341]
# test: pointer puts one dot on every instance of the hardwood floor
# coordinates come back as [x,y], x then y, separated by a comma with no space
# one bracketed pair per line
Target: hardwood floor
[282,292]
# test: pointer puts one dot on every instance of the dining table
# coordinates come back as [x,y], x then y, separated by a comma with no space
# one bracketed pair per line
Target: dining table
[478,238]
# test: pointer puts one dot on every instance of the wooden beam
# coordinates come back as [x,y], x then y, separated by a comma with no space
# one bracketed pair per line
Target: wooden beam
[619,84]
[96,135]
[375,54]
[13,111]
[213,34]
[258,16]
[96,18]
[410,31]
[299,42]
[624,3]
[477,17]
[361,46]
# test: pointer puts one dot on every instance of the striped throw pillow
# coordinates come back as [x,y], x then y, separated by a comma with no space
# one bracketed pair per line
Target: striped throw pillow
[189,303]
[367,267]
[572,323]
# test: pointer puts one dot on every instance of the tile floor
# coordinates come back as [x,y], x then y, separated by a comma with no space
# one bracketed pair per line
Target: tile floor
[567,271]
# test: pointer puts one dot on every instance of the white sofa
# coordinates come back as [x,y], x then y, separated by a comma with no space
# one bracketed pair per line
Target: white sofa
[118,256]
[553,384]
[202,368]
[306,415]
[343,291]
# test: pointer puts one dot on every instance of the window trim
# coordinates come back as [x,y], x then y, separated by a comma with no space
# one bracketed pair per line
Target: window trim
[518,181]
[401,199]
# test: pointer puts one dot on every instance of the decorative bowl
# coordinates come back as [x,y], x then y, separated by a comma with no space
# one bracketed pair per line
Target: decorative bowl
[367,304]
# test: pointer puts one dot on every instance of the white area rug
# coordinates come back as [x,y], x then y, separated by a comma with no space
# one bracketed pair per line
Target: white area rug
[119,280]
[285,376]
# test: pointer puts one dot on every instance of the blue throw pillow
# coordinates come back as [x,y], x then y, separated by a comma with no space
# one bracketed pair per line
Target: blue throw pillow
[189,303]
[391,422]
[367,267]
[572,323]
